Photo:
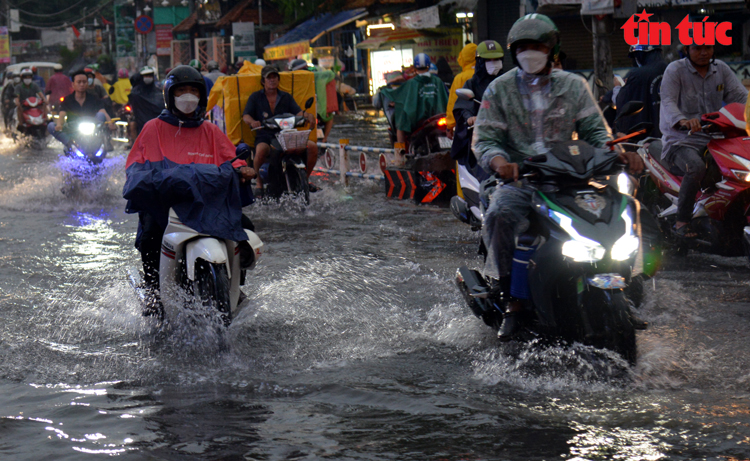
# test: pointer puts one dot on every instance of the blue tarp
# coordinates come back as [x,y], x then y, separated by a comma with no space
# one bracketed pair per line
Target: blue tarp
[317,26]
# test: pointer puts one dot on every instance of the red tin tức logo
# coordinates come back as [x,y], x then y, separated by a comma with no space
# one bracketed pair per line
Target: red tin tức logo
[690,33]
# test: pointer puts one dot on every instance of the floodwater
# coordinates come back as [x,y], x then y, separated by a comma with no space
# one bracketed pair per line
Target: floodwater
[354,343]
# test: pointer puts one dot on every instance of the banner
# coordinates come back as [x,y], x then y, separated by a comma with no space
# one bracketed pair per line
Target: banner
[164,39]
[421,19]
[4,46]
[286,51]
[124,30]
[244,38]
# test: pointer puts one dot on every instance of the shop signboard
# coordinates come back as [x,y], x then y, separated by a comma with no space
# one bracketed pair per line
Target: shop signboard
[382,62]
[421,19]
[244,38]
[4,46]
[448,47]
[124,28]
[286,51]
[164,39]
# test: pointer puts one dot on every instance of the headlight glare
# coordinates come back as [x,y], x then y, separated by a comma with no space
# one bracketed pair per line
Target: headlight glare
[86,128]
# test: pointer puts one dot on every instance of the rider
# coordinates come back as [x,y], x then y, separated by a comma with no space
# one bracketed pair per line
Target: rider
[58,87]
[643,84]
[418,99]
[266,103]
[26,89]
[213,71]
[522,113]
[146,98]
[195,64]
[322,78]
[488,64]
[120,90]
[695,85]
[80,103]
[9,96]
[466,59]
[38,79]
[179,136]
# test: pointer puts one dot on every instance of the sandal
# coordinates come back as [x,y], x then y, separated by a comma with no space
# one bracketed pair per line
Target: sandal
[684,231]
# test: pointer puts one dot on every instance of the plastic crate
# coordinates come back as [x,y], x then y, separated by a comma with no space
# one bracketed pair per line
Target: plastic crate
[293,139]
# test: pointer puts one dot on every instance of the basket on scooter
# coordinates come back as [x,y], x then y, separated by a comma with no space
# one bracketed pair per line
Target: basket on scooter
[293,139]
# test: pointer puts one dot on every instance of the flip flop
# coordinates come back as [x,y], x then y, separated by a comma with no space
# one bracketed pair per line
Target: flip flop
[684,232]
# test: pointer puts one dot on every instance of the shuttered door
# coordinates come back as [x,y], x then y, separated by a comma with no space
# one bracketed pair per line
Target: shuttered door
[578,44]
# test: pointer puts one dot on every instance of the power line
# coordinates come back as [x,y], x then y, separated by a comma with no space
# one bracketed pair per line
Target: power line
[64,24]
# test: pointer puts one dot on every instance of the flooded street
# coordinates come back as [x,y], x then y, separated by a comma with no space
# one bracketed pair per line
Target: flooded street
[354,343]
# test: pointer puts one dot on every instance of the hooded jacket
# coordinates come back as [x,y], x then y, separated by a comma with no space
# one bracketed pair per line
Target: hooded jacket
[467,60]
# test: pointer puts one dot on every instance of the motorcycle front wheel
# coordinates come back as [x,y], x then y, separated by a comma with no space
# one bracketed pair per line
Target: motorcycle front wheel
[298,184]
[211,288]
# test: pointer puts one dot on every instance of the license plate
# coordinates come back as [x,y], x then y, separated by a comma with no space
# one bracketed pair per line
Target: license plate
[608,281]
[445,143]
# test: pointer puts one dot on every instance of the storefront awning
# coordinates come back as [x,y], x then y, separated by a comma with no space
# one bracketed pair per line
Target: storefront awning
[397,35]
[314,28]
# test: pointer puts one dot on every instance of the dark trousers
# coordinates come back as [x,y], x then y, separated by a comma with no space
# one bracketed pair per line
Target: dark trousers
[687,162]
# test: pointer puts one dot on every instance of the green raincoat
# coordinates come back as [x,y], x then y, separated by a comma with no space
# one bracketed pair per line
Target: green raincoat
[322,78]
[419,98]
[503,126]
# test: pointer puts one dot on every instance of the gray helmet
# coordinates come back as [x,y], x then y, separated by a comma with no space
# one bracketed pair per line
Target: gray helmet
[534,28]
[298,64]
[212,65]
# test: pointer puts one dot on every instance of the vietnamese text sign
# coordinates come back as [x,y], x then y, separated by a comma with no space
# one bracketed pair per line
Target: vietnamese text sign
[421,19]
[244,38]
[4,45]
[163,39]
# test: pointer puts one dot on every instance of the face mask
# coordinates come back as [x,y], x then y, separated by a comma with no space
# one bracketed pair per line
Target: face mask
[532,61]
[16,79]
[493,67]
[148,80]
[187,103]
[27,81]
[91,81]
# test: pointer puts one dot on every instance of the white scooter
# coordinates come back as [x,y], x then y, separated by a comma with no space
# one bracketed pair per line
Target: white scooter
[206,267]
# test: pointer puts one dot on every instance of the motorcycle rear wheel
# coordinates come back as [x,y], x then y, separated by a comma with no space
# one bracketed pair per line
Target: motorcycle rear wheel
[211,288]
[298,184]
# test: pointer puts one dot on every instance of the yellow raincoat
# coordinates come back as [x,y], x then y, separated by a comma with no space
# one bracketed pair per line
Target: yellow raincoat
[231,92]
[466,60]
[121,91]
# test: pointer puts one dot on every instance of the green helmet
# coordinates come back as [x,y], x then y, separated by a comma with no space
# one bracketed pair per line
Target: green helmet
[490,49]
[146,70]
[535,28]
[195,64]
[94,67]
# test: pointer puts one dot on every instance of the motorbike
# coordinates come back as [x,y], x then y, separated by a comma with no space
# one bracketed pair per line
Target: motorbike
[721,215]
[586,244]
[208,268]
[34,123]
[284,173]
[87,140]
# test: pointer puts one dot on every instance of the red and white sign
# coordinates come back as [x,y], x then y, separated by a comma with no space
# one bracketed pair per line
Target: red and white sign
[163,39]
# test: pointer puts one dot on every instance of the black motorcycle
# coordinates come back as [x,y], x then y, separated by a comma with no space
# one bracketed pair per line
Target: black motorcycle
[586,244]
[284,172]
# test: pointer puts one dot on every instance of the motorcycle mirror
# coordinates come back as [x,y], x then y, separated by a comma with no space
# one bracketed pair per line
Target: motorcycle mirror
[630,108]
[309,103]
[465,94]
[243,151]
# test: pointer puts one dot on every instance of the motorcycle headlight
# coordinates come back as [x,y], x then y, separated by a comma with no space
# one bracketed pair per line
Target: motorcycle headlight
[86,128]
[100,152]
[624,184]
[626,246]
[579,248]
[78,152]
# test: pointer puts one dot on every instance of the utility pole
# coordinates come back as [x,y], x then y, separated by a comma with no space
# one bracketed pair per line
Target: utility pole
[260,13]
[603,78]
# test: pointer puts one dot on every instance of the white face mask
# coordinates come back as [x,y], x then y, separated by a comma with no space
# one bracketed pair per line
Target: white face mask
[91,81]
[187,103]
[27,81]
[148,80]
[493,67]
[532,61]
[16,79]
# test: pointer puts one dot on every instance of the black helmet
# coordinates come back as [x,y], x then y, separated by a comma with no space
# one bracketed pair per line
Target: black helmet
[298,64]
[180,76]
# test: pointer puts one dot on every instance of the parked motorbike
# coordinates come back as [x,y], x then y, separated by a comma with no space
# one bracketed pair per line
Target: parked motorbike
[284,172]
[586,244]
[721,215]
[207,268]
[34,123]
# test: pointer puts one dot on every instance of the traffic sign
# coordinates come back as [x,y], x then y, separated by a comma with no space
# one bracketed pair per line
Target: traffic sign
[144,24]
